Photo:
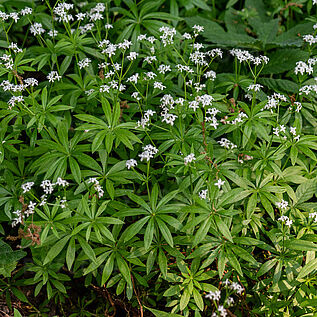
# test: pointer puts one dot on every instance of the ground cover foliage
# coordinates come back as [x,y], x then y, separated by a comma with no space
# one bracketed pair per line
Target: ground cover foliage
[158,158]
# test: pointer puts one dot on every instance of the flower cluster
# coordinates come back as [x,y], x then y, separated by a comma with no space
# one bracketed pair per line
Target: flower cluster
[246,56]
[97,186]
[286,220]
[283,204]
[189,158]
[227,144]
[148,152]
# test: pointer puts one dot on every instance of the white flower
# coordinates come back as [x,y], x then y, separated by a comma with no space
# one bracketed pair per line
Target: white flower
[15,48]
[26,11]
[134,78]
[37,29]
[62,203]
[226,143]
[148,152]
[31,82]
[214,295]
[282,204]
[187,36]
[13,100]
[53,33]
[298,106]
[61,182]
[135,95]
[164,68]
[203,194]
[27,187]
[168,118]
[124,45]
[93,180]
[80,16]
[222,311]
[84,63]
[210,74]
[47,186]
[285,219]
[159,85]
[132,56]
[43,200]
[255,87]
[198,29]
[219,183]
[189,158]
[53,75]
[230,301]
[108,26]
[314,216]
[131,163]
[293,130]
[168,35]
[236,287]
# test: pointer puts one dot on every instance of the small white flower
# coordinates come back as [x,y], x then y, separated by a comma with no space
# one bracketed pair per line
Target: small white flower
[283,204]
[26,11]
[61,182]
[148,152]
[53,33]
[27,187]
[189,158]
[132,56]
[53,75]
[159,85]
[37,29]
[131,163]
[293,130]
[203,194]
[285,219]
[214,295]
[47,186]
[219,183]
[84,63]
[255,87]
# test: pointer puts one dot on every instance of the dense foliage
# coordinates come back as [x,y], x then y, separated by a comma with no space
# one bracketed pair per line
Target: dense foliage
[158,158]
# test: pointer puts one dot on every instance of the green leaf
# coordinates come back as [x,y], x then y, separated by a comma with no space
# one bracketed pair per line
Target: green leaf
[55,250]
[268,265]
[165,231]
[74,167]
[148,236]
[308,268]
[88,250]
[159,313]
[70,253]
[162,262]
[135,228]
[198,299]
[223,228]
[17,313]
[305,191]
[301,245]
[124,268]
[233,261]
[8,256]
[107,269]
[184,299]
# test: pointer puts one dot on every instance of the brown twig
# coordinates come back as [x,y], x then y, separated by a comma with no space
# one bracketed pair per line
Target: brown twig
[291,4]
[137,297]
[230,313]
[111,303]
[20,79]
